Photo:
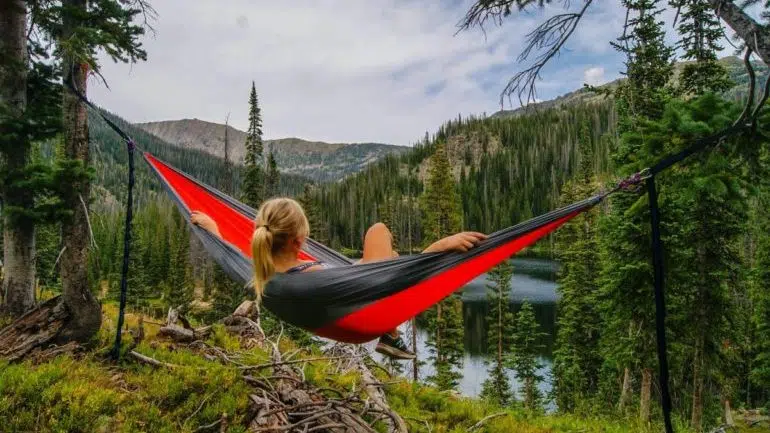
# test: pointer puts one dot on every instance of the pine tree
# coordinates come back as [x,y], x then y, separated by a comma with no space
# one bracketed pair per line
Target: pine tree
[441,211]
[628,336]
[272,177]
[760,300]
[705,213]
[524,358]
[254,175]
[446,342]
[500,332]
[318,228]
[226,183]
[441,207]
[576,357]
[701,32]
[179,283]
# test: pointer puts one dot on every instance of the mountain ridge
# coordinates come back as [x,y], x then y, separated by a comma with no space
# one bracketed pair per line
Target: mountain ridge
[317,160]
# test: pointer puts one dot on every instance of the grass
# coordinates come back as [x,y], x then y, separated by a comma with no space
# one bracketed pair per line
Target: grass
[89,393]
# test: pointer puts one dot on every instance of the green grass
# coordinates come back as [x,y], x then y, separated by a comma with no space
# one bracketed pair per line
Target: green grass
[91,394]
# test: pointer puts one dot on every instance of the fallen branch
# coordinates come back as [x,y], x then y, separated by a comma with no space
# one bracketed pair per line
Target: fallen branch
[151,361]
[294,361]
[485,419]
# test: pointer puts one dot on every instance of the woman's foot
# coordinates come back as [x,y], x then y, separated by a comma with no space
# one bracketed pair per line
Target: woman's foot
[394,347]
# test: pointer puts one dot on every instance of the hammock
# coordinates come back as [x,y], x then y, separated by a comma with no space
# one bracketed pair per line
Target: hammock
[348,303]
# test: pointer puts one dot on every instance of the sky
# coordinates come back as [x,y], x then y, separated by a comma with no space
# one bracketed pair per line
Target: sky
[346,71]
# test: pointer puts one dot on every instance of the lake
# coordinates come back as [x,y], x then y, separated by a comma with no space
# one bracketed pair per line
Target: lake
[533,281]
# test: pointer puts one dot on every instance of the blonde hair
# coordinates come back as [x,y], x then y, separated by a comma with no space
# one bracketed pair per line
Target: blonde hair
[279,221]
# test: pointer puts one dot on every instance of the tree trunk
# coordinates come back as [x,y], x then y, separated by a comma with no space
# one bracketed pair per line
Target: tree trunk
[696,416]
[755,36]
[729,414]
[644,400]
[415,362]
[625,390]
[439,358]
[499,328]
[19,238]
[85,310]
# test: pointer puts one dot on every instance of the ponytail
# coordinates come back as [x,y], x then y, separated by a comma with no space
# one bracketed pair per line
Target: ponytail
[262,254]
[279,221]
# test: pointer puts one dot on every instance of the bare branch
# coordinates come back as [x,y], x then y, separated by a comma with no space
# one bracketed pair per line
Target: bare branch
[495,11]
[752,85]
[548,38]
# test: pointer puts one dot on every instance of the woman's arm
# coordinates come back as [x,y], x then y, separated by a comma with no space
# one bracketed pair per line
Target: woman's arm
[205,222]
[459,242]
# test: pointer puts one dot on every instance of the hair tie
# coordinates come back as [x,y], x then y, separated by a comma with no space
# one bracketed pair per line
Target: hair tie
[266,227]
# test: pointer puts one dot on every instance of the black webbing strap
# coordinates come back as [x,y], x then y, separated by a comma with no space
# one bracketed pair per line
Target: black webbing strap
[130,146]
[660,303]
[697,146]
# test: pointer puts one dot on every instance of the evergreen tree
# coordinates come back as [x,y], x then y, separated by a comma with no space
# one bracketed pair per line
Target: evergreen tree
[701,32]
[760,300]
[446,342]
[441,207]
[524,358]
[318,228]
[628,337]
[254,175]
[500,332]
[179,285]
[272,177]
[226,184]
[705,212]
[576,357]
[441,212]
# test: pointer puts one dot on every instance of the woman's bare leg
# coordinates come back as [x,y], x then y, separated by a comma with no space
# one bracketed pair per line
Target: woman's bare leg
[378,245]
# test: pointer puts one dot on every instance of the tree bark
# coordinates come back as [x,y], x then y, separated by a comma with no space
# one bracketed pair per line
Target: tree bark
[644,400]
[19,237]
[625,390]
[696,416]
[85,310]
[729,414]
[754,34]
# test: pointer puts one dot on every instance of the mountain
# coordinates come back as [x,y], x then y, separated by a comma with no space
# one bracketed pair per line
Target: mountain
[734,65]
[111,165]
[316,160]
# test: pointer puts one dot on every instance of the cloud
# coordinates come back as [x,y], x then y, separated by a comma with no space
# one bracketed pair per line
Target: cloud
[594,76]
[334,70]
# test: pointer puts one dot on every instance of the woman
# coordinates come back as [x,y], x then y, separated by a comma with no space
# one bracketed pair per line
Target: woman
[281,230]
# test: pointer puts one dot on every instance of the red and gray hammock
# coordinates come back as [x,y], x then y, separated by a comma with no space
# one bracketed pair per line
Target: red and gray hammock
[357,303]
[351,303]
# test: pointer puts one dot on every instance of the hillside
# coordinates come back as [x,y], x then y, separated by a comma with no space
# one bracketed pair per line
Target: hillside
[313,159]
[111,165]
[222,382]
[509,166]
[735,69]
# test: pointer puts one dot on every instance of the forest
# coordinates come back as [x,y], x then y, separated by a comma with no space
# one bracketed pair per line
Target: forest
[67,287]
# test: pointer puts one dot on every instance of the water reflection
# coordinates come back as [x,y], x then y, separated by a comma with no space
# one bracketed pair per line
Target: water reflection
[533,281]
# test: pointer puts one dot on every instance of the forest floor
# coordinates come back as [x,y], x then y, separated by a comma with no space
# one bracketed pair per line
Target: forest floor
[185,389]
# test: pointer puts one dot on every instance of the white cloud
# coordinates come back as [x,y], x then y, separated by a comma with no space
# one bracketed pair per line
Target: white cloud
[594,76]
[329,70]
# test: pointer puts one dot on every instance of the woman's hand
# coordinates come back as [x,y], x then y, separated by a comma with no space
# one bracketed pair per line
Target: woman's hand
[205,222]
[461,242]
